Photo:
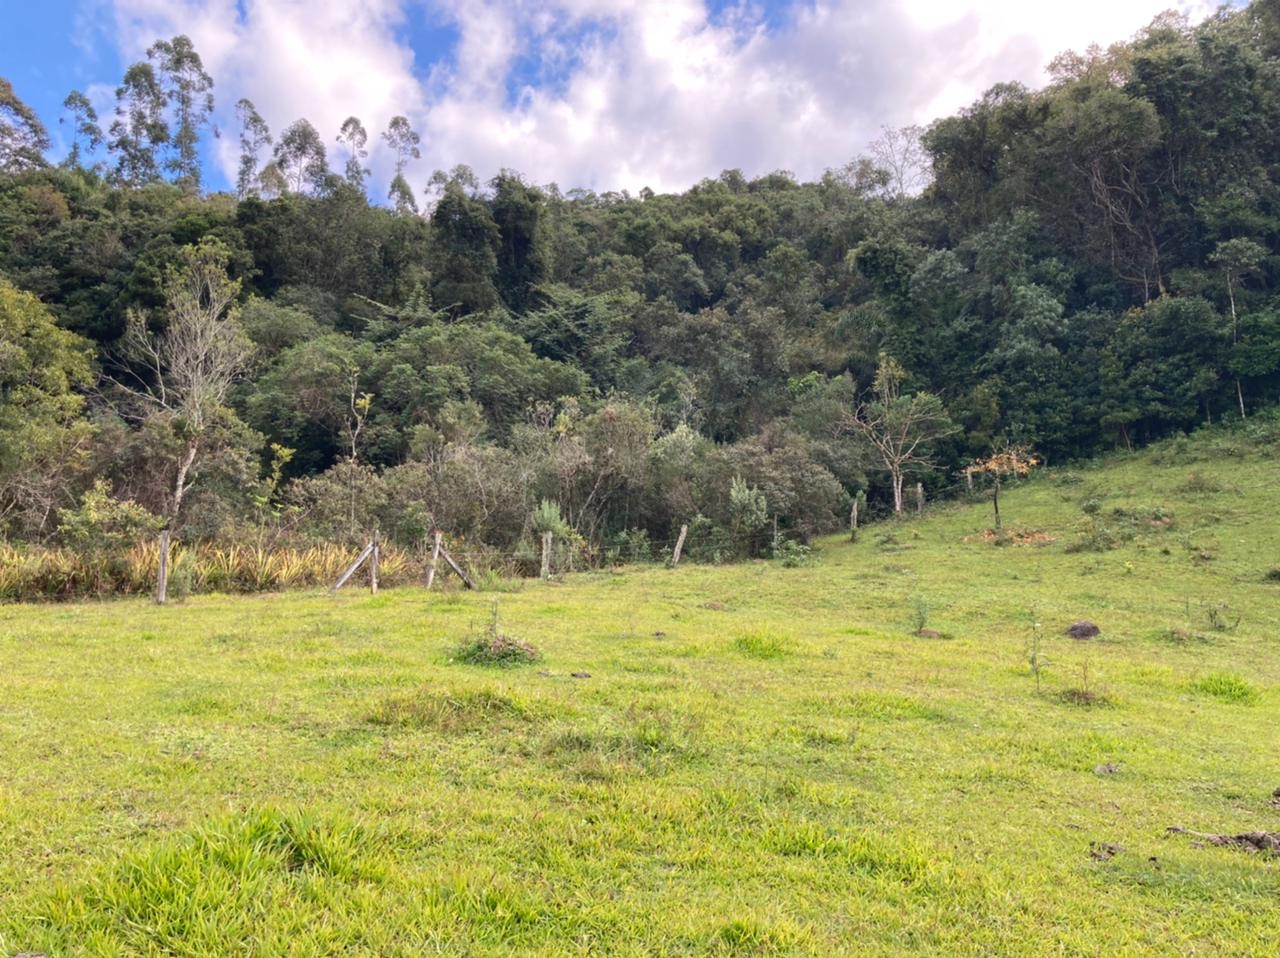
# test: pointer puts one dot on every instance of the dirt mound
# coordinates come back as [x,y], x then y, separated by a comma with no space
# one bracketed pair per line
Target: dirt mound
[1265,842]
[1082,629]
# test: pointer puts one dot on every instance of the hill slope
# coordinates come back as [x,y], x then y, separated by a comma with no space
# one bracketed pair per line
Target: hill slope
[762,760]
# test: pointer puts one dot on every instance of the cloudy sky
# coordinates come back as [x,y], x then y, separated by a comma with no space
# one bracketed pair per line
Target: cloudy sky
[602,94]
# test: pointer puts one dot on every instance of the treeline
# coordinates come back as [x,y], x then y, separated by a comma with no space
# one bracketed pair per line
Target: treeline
[1088,265]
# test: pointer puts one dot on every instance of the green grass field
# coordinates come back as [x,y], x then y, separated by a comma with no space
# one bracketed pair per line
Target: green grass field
[763,760]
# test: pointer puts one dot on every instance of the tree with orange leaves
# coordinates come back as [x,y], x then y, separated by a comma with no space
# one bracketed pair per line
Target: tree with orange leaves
[1011,461]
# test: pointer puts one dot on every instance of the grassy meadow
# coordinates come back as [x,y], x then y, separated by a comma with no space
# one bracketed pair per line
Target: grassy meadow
[738,760]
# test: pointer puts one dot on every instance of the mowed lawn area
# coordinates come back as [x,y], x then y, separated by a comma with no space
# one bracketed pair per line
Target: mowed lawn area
[752,759]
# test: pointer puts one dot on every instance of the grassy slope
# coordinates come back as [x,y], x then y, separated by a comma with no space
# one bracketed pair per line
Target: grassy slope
[762,761]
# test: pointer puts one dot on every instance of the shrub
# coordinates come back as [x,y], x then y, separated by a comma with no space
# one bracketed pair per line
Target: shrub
[102,523]
[793,554]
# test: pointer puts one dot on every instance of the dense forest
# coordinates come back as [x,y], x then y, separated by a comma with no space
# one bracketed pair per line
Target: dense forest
[1090,265]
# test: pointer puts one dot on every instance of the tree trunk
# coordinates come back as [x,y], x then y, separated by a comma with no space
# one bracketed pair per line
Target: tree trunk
[1235,337]
[180,481]
[995,503]
[897,491]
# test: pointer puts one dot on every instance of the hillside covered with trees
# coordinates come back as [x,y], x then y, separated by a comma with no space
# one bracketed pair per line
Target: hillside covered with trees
[1091,265]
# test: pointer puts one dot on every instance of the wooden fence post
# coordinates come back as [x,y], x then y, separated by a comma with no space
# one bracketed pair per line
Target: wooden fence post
[162,578]
[853,520]
[351,569]
[373,565]
[466,579]
[968,481]
[675,556]
[919,498]
[546,555]
[435,558]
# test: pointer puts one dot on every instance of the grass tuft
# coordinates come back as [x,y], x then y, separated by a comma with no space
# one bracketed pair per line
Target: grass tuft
[761,645]
[1226,687]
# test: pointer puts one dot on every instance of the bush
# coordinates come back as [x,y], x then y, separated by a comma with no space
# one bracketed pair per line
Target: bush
[793,554]
[102,523]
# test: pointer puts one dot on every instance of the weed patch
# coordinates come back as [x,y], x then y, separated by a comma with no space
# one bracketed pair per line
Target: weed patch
[466,710]
[492,647]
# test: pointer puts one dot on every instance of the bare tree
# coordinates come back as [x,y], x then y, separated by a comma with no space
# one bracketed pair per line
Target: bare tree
[899,428]
[353,425]
[184,373]
[901,154]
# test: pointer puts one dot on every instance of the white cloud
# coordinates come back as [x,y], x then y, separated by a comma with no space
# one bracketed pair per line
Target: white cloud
[626,93]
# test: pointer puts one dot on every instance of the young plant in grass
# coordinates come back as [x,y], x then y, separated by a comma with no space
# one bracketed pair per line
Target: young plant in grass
[492,647]
[1035,655]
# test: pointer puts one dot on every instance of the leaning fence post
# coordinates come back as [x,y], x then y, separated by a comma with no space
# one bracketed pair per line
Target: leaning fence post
[675,555]
[435,558]
[466,579]
[162,576]
[919,498]
[546,555]
[351,569]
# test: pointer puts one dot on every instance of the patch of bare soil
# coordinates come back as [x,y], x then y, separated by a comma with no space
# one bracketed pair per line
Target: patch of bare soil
[1104,851]
[1267,843]
[1013,537]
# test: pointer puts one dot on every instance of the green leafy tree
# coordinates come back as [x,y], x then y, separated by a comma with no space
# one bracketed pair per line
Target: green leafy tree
[356,138]
[86,135]
[23,138]
[43,439]
[254,137]
[899,428]
[404,142]
[466,238]
[300,157]
[748,514]
[188,89]
[139,129]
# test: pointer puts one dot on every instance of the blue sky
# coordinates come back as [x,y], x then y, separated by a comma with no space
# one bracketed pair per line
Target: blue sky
[601,94]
